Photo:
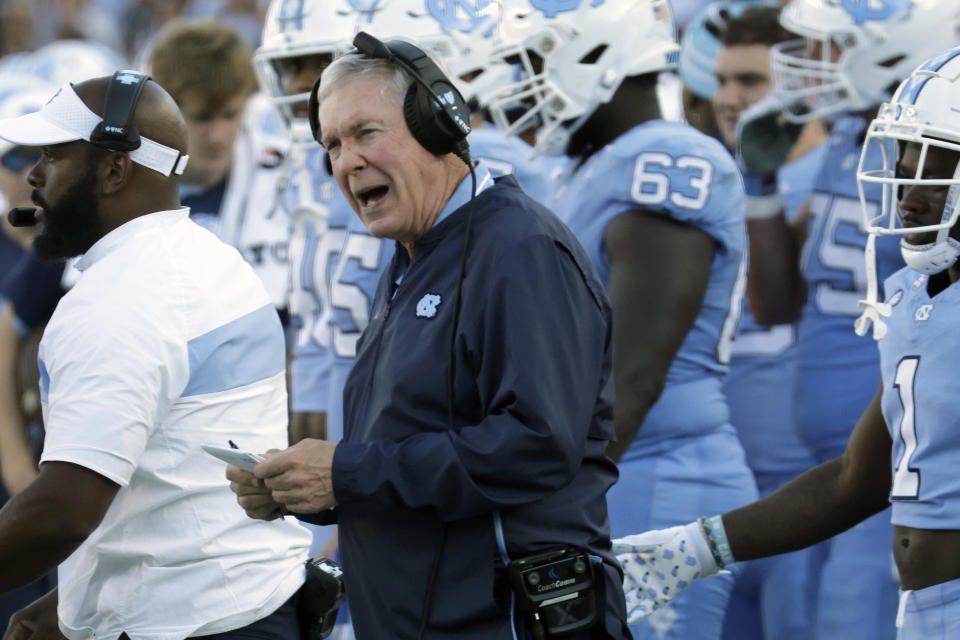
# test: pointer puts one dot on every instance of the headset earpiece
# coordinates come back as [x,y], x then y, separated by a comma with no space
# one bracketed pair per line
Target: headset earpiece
[116,131]
[436,113]
[312,115]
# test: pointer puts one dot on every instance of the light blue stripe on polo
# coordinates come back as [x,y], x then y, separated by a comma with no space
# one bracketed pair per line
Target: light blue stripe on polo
[236,354]
[44,380]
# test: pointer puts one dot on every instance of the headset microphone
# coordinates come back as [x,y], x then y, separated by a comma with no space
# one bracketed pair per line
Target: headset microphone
[22,216]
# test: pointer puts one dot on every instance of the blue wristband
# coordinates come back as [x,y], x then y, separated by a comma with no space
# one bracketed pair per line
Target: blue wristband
[717,537]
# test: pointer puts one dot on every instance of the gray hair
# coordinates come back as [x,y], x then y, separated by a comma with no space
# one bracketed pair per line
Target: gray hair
[352,67]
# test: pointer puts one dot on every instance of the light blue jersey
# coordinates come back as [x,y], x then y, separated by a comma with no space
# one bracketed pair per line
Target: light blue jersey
[686,459]
[918,363]
[837,376]
[838,372]
[503,156]
[320,216]
[671,169]
[359,261]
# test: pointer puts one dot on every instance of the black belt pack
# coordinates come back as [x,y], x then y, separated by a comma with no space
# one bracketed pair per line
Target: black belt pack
[319,599]
[555,591]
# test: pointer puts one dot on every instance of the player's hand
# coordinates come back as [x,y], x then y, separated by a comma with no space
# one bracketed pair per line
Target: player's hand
[658,565]
[36,621]
[301,477]
[765,137]
[253,495]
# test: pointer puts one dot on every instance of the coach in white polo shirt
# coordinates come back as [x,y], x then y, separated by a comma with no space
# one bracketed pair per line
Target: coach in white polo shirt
[168,341]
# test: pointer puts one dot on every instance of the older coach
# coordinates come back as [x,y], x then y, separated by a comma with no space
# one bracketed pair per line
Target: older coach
[478,411]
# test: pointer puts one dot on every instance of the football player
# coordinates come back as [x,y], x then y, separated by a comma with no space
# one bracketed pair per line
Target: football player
[659,208]
[299,40]
[907,433]
[851,56]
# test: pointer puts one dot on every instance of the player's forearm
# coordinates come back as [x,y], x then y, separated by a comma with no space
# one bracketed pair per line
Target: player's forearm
[634,397]
[34,538]
[809,509]
[774,283]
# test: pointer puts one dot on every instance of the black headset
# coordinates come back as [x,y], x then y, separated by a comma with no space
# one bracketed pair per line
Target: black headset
[435,111]
[116,131]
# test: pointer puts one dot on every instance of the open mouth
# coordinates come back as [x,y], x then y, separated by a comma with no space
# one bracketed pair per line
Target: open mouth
[373,195]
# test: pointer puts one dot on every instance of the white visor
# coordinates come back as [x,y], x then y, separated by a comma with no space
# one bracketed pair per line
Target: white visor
[65,118]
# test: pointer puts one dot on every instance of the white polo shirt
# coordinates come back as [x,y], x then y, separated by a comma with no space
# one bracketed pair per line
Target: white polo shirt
[168,341]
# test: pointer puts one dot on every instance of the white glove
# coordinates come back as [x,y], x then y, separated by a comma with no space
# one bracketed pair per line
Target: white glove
[658,565]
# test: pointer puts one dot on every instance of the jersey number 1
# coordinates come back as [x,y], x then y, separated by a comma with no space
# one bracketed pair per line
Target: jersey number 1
[906,479]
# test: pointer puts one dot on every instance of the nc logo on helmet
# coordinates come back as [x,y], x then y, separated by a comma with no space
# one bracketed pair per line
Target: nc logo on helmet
[464,15]
[875,10]
[551,8]
[366,8]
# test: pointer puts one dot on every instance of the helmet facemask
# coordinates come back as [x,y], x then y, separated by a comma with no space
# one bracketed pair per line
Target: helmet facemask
[892,132]
[808,76]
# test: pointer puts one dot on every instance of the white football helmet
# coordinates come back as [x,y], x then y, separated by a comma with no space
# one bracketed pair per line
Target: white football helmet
[459,35]
[920,112]
[295,29]
[66,61]
[855,52]
[572,58]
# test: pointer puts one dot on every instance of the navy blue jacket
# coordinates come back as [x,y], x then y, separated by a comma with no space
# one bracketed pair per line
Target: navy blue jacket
[525,460]
[33,287]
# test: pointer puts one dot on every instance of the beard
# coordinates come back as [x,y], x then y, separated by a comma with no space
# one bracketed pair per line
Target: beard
[71,224]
